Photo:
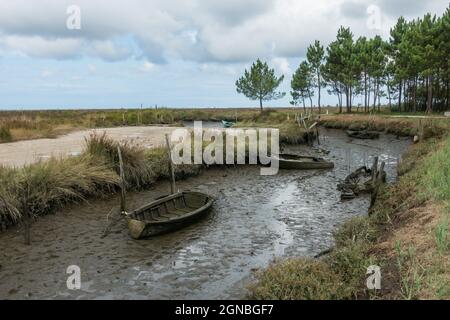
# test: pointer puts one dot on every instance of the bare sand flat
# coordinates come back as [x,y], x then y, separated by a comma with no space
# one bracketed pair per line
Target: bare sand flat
[30,151]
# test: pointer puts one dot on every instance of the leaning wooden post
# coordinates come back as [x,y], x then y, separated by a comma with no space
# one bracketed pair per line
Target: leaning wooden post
[317,133]
[123,200]
[380,173]
[26,221]
[374,169]
[171,170]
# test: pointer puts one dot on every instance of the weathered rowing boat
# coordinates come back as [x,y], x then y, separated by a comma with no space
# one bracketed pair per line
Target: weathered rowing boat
[227,124]
[293,161]
[168,213]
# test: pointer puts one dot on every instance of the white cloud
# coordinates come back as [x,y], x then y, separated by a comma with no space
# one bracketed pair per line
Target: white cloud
[36,46]
[109,51]
[92,68]
[282,64]
[147,66]
[201,30]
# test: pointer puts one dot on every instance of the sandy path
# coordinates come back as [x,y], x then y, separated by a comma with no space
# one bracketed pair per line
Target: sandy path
[29,151]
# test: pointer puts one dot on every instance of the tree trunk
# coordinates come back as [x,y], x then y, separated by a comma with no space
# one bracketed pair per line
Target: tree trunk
[414,95]
[430,94]
[318,85]
[389,95]
[346,98]
[310,100]
[260,104]
[375,94]
[378,94]
[365,92]
[400,96]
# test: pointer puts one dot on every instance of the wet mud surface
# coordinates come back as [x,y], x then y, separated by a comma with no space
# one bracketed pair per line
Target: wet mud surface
[254,220]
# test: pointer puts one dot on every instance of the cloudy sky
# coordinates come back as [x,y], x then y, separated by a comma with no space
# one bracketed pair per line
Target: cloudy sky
[180,53]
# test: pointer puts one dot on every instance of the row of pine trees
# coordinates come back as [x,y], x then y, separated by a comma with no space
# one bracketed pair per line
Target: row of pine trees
[410,70]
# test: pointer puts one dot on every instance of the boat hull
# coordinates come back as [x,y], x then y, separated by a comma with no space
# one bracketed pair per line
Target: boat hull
[168,214]
[297,162]
[300,165]
[227,124]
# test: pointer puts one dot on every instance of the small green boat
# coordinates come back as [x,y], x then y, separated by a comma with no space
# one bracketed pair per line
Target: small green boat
[299,162]
[228,124]
[168,213]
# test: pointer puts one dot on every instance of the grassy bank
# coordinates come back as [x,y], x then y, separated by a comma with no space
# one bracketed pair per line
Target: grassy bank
[22,125]
[406,234]
[425,128]
[44,187]
[41,188]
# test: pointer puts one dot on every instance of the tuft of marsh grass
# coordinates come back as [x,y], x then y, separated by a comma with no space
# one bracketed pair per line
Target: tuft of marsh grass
[411,272]
[5,134]
[357,229]
[442,236]
[45,186]
[138,173]
[296,279]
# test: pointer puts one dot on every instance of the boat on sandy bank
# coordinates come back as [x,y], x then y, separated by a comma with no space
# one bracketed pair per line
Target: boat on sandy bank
[227,124]
[168,214]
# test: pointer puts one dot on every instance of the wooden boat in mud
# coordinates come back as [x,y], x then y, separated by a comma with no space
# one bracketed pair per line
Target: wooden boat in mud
[299,162]
[363,134]
[293,161]
[168,214]
[227,124]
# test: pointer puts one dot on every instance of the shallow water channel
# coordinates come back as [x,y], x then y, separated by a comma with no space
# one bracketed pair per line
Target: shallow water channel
[254,220]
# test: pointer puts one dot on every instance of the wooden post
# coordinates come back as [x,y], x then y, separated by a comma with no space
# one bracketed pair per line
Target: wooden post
[380,178]
[374,169]
[123,201]
[171,170]
[317,133]
[26,221]
[377,180]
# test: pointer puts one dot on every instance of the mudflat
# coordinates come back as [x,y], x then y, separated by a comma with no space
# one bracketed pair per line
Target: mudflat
[31,151]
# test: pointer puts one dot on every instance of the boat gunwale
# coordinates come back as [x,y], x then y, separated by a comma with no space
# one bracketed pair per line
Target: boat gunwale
[171,220]
[297,158]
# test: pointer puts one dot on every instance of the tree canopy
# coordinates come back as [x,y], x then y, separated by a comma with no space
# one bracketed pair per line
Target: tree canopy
[411,69]
[260,83]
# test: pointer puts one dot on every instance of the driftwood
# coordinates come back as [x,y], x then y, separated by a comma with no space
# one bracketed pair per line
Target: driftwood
[363,180]
[357,182]
[323,253]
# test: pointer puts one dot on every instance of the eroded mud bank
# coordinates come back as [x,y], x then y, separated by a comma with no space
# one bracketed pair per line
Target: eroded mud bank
[255,219]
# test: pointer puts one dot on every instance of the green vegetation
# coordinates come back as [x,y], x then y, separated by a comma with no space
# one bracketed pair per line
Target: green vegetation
[43,187]
[5,134]
[410,69]
[302,83]
[260,83]
[296,279]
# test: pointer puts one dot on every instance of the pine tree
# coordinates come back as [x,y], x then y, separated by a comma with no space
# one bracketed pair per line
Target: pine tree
[260,83]
[315,56]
